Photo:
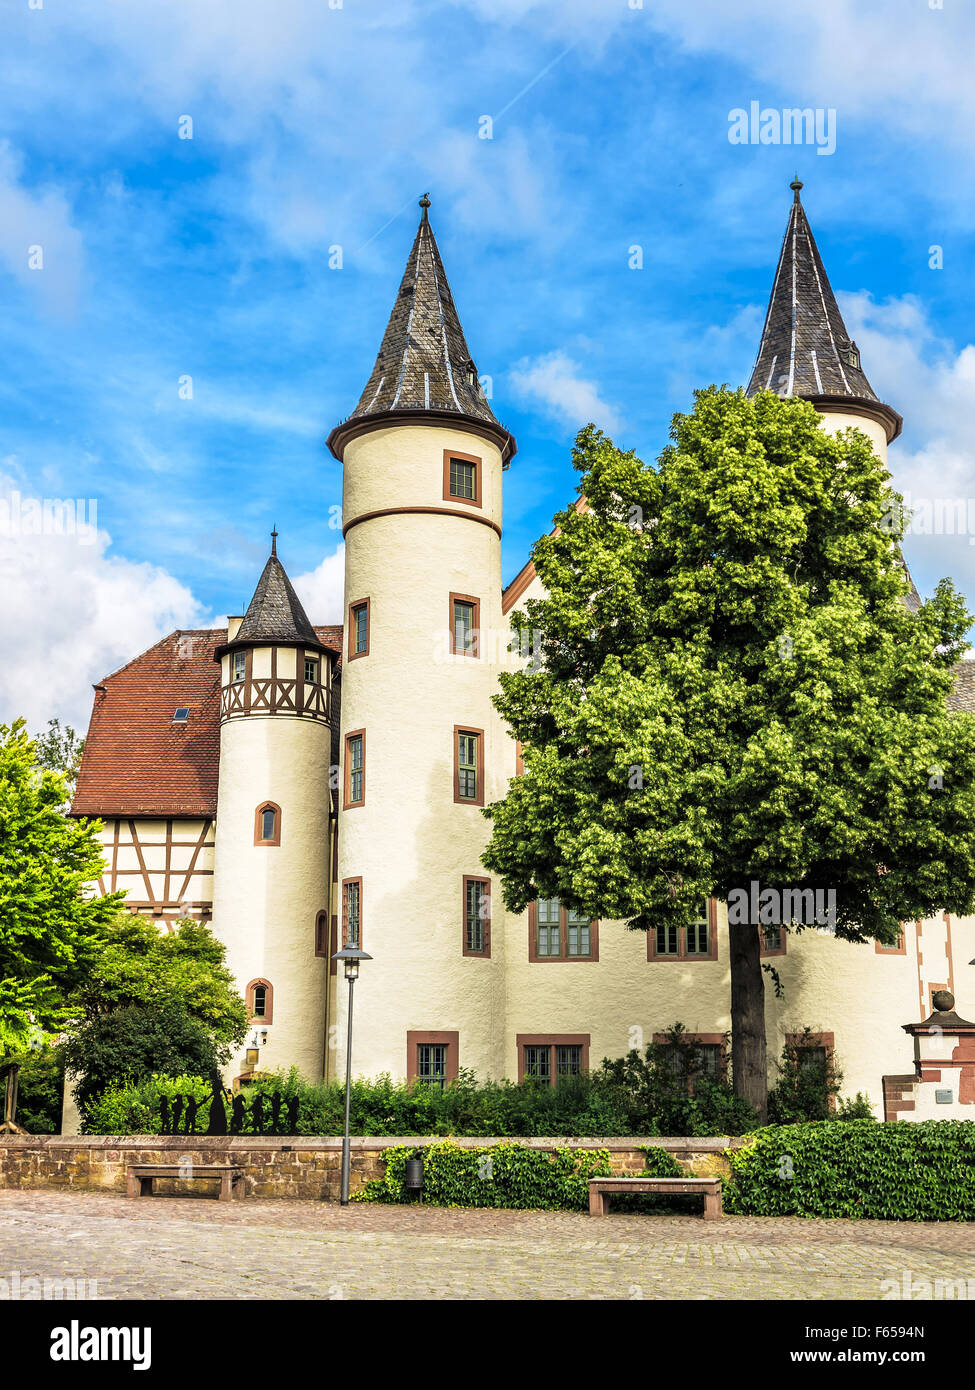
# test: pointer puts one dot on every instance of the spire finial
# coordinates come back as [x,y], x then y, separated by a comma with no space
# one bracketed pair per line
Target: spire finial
[796,185]
[424,204]
[274,540]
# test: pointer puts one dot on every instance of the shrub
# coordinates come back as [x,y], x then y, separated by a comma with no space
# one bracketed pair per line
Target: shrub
[666,1091]
[859,1108]
[136,1108]
[40,1088]
[808,1081]
[903,1171]
[498,1175]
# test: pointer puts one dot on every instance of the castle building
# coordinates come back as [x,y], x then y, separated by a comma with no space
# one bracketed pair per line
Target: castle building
[305,787]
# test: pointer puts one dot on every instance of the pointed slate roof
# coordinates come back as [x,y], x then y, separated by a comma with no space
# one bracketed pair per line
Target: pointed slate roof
[805,348]
[275,613]
[424,366]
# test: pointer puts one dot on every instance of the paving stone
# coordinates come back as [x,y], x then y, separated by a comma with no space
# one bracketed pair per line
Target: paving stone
[171,1248]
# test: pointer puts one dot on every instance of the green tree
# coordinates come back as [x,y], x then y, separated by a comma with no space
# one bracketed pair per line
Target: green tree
[153,1003]
[50,932]
[59,749]
[731,688]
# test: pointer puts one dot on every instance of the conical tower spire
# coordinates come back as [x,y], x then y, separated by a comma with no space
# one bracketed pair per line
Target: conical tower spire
[805,348]
[424,366]
[275,614]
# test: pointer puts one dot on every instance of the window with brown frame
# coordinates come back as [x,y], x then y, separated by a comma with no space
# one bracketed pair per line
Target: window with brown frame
[468,766]
[432,1057]
[358,629]
[465,623]
[240,666]
[712,1055]
[461,478]
[556,932]
[352,912]
[322,934]
[259,996]
[477,916]
[773,937]
[698,940]
[355,768]
[896,948]
[267,824]
[550,1057]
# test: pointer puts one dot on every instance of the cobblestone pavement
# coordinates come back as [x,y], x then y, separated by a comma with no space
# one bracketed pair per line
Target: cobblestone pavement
[184,1247]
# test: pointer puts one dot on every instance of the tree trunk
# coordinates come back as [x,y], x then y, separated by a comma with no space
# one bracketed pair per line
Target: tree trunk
[748,1061]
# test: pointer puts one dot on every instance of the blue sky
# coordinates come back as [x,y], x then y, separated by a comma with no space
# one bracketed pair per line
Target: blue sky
[316,127]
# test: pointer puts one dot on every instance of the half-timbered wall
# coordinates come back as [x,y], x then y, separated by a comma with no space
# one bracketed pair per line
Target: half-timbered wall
[164,865]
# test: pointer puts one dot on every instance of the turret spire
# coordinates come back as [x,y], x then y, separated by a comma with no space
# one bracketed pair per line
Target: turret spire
[424,365]
[275,614]
[805,348]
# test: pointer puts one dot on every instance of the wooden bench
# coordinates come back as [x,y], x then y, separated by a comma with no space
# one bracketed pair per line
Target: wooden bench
[140,1176]
[601,1189]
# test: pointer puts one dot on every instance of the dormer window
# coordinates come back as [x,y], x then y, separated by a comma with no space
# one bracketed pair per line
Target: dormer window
[181,715]
[471,373]
[853,355]
[240,665]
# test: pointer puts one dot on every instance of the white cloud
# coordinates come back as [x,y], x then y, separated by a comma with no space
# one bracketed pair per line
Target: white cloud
[38,243]
[322,590]
[554,383]
[931,382]
[72,613]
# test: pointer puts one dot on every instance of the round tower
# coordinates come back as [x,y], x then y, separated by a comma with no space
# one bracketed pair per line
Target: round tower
[805,348]
[422,747]
[271,860]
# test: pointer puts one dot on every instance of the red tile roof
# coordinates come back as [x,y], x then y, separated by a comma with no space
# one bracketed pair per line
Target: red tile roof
[137,762]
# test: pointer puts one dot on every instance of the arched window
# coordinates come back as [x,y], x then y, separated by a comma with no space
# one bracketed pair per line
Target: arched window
[267,824]
[260,1001]
[321,934]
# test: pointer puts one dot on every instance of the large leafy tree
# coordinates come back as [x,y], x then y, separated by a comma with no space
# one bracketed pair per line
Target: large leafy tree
[50,931]
[731,689]
[153,1002]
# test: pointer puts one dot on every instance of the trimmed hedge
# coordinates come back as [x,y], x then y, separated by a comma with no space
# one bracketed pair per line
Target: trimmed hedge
[499,1175]
[904,1171]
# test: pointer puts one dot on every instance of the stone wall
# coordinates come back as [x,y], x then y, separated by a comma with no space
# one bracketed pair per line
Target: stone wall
[297,1167]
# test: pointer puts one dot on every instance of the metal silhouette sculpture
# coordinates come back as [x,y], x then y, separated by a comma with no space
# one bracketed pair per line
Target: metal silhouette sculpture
[237,1114]
[218,1111]
[293,1115]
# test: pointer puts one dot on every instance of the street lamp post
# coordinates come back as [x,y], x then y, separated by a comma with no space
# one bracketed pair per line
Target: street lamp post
[350,956]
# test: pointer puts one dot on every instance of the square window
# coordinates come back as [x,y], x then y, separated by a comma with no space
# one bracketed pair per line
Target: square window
[181,715]
[568,1060]
[431,1064]
[463,479]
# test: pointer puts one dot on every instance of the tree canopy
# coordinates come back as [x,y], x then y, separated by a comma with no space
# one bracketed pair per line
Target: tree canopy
[50,931]
[733,688]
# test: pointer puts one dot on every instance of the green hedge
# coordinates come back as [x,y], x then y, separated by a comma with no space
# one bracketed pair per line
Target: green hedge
[902,1171]
[498,1175]
[590,1106]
